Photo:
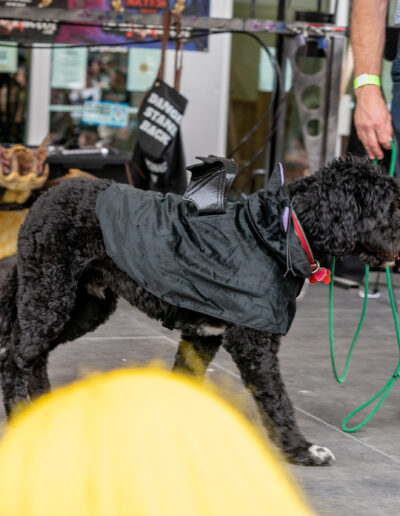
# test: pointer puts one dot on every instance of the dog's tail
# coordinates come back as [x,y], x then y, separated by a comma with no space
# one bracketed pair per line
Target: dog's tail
[8,306]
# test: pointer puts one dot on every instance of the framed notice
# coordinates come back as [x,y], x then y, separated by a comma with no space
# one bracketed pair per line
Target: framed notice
[143,64]
[69,68]
[8,57]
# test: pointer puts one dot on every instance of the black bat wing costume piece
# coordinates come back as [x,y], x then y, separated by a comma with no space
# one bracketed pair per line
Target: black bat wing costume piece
[240,262]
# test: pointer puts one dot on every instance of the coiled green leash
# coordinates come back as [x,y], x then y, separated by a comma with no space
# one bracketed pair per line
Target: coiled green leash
[384,392]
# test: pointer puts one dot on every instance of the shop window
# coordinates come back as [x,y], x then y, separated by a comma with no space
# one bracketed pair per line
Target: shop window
[14,65]
[97,104]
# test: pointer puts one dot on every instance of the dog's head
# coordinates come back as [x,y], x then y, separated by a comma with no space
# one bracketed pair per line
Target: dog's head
[349,207]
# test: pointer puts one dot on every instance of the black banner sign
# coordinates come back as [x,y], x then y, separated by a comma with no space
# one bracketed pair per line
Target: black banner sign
[107,30]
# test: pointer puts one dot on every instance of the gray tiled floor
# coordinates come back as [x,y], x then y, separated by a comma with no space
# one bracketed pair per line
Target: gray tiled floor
[366,478]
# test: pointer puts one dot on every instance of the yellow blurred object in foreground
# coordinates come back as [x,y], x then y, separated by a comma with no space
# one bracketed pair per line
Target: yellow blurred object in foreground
[140,442]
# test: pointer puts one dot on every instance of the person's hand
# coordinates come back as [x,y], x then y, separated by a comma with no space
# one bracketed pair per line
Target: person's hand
[372,120]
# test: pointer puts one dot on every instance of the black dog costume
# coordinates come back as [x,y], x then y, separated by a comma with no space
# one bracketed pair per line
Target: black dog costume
[240,266]
[65,283]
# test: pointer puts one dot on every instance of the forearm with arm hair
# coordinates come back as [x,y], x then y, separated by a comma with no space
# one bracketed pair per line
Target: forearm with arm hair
[371,116]
[368,22]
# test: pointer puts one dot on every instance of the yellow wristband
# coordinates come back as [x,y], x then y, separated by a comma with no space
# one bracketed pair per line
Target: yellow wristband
[364,79]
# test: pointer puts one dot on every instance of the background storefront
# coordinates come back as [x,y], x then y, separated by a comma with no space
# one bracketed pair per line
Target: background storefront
[108,78]
[228,85]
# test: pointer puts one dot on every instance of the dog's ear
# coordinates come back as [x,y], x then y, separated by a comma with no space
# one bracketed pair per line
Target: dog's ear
[327,209]
[369,203]
[339,215]
[348,202]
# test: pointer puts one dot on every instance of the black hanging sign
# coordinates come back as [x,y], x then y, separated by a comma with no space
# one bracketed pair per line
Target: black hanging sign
[158,160]
[159,118]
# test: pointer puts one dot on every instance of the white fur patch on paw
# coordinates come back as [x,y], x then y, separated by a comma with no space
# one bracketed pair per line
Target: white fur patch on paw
[322,455]
[206,330]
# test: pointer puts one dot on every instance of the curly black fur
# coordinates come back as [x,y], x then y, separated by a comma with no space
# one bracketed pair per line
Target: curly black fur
[64,285]
[350,207]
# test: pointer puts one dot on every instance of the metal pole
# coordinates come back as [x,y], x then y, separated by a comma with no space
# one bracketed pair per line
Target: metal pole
[276,147]
[32,22]
[253,9]
[39,96]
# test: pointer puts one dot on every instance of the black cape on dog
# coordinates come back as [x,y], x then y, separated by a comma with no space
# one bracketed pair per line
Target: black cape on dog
[240,266]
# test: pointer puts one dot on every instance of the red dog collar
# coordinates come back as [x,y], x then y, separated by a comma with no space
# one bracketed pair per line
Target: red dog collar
[318,273]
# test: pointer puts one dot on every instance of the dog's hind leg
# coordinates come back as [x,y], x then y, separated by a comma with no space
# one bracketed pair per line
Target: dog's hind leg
[45,302]
[256,355]
[13,383]
[88,313]
[195,353]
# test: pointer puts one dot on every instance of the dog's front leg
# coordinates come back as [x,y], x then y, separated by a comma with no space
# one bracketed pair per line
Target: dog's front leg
[195,353]
[38,381]
[255,354]
[13,376]
[14,383]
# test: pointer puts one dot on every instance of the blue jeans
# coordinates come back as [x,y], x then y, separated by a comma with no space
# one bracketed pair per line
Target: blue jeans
[396,104]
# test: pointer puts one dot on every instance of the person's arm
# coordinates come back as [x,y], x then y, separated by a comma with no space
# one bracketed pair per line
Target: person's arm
[371,117]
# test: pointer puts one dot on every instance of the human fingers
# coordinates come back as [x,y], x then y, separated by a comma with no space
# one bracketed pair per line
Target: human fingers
[366,134]
[385,132]
[372,121]
[374,132]
[371,144]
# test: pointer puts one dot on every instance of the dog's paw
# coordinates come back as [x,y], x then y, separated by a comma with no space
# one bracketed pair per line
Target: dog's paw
[321,456]
[314,455]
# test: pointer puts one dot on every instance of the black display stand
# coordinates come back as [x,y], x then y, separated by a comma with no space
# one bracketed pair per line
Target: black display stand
[114,165]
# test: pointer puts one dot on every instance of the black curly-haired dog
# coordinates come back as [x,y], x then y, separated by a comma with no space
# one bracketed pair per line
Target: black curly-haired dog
[65,284]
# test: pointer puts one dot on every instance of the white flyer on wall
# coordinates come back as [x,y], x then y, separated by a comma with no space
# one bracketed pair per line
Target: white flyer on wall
[8,57]
[143,64]
[69,68]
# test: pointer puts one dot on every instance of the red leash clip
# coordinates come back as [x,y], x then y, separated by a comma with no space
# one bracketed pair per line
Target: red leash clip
[320,274]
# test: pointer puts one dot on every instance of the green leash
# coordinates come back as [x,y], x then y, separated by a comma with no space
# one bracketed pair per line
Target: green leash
[384,392]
